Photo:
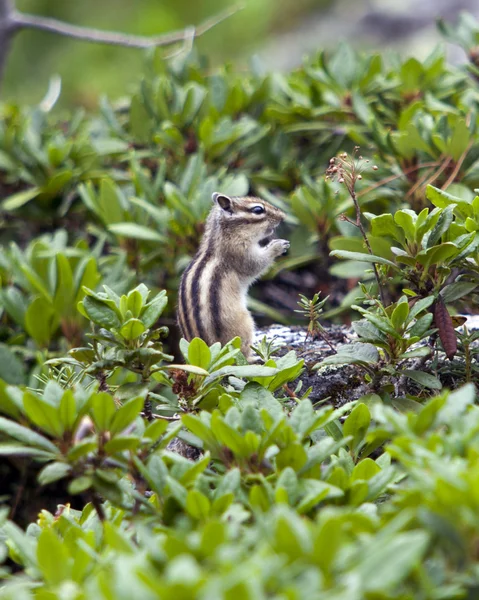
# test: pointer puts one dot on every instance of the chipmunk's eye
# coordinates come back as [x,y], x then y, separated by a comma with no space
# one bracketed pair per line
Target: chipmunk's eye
[257,210]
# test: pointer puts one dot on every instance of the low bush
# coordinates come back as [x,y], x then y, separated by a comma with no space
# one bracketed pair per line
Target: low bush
[138,466]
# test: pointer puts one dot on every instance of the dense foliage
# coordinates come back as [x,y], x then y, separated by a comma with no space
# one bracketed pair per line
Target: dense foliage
[271,495]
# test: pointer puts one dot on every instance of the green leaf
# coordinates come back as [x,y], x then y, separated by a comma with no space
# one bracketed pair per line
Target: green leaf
[290,535]
[14,303]
[400,314]
[420,305]
[362,257]
[316,492]
[406,219]
[20,199]
[437,254]
[126,414]
[53,557]
[384,225]
[120,443]
[421,326]
[197,505]
[26,435]
[67,410]
[302,417]
[102,410]
[63,297]
[39,321]
[294,456]
[459,140]
[156,473]
[379,321]
[140,120]
[132,329]
[100,313]
[440,198]
[9,449]
[442,225]
[135,303]
[352,354]
[258,498]
[80,484]
[56,184]
[137,232]
[202,431]
[357,424]
[227,435]
[199,354]
[288,482]
[425,379]
[457,290]
[12,369]
[387,564]
[11,401]
[53,472]
[111,202]
[188,369]
[109,146]
[457,403]
[153,310]
[43,415]
[365,469]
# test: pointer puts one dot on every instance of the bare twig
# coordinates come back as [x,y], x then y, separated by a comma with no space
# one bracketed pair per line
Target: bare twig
[155,416]
[386,180]
[420,182]
[22,20]
[458,166]
[13,21]
[439,172]
[97,505]
[6,32]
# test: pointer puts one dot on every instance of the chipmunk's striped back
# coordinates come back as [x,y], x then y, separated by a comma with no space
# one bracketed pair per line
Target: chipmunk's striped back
[236,248]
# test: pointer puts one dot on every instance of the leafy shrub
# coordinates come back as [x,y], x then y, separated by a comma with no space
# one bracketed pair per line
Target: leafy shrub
[209,476]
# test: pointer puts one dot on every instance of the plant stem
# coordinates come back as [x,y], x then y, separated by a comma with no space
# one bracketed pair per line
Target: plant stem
[359,224]
[95,500]
[467,360]
[458,166]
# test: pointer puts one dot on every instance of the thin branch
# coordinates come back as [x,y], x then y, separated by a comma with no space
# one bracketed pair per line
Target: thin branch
[458,166]
[439,172]
[419,183]
[6,31]
[97,505]
[360,226]
[155,416]
[22,21]
[6,9]
[393,177]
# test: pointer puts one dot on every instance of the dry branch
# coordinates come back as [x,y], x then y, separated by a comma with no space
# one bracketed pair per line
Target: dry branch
[13,21]
[87,34]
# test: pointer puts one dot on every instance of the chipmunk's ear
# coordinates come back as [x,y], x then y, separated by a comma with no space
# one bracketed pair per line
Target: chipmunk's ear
[225,202]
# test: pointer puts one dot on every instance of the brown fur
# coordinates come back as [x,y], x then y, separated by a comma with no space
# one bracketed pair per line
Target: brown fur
[212,295]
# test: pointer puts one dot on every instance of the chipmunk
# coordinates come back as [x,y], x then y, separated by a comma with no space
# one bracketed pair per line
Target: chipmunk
[237,247]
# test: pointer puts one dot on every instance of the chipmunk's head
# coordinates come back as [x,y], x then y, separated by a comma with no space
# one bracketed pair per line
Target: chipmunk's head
[249,218]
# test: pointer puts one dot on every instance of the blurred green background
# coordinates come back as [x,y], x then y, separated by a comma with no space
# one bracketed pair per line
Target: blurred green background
[89,70]
[279,32]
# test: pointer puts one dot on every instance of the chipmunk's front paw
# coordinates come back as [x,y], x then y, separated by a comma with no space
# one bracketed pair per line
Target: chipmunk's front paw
[279,247]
